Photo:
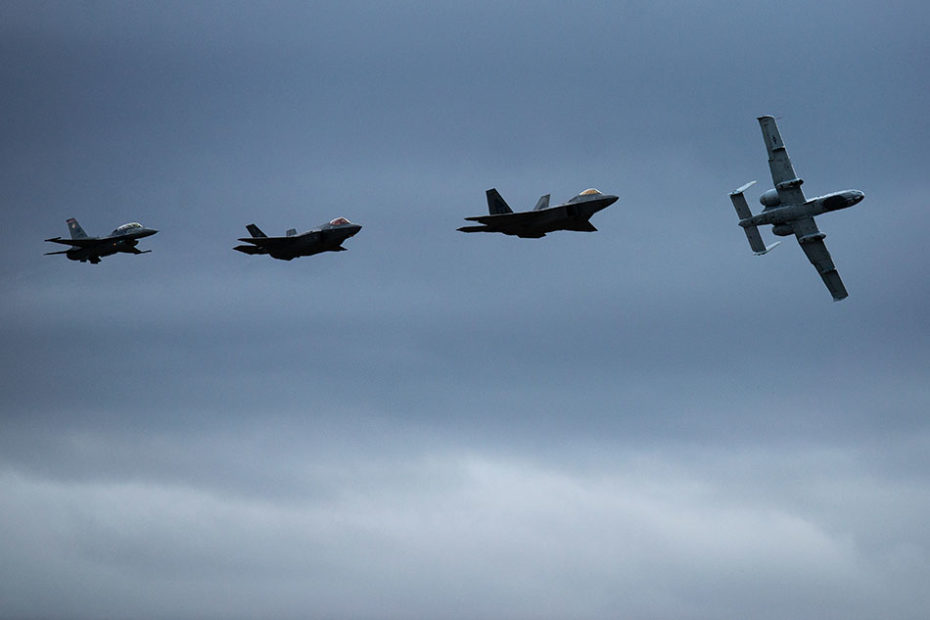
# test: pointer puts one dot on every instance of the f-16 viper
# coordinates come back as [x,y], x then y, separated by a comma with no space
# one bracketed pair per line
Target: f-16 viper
[325,238]
[572,215]
[789,212]
[90,249]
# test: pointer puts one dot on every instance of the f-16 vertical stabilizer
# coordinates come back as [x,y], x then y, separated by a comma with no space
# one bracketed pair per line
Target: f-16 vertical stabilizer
[76,231]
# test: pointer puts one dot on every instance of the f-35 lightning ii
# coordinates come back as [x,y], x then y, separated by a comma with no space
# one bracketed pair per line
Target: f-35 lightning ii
[572,215]
[90,249]
[789,212]
[326,238]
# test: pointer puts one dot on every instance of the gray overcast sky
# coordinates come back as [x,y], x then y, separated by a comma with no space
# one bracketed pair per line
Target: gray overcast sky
[643,422]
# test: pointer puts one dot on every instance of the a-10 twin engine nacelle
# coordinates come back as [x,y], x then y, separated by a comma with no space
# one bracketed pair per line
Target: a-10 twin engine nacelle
[770,198]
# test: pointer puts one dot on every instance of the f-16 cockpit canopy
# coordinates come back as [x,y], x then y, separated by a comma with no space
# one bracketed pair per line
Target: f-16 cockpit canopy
[127,228]
[339,221]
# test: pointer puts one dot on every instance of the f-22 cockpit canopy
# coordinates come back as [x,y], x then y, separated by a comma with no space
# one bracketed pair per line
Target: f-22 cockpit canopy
[588,193]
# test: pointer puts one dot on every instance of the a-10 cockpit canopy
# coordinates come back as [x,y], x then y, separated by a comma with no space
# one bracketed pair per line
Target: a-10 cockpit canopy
[127,228]
[339,221]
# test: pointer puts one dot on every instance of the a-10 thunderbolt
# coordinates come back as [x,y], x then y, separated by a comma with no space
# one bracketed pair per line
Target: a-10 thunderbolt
[90,249]
[789,212]
[325,238]
[572,215]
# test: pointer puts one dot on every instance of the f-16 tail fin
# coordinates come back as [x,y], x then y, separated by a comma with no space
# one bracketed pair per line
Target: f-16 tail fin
[752,231]
[255,231]
[496,204]
[76,231]
[543,203]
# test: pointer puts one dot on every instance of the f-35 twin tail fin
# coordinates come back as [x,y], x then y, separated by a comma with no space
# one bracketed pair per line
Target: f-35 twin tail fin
[255,231]
[752,231]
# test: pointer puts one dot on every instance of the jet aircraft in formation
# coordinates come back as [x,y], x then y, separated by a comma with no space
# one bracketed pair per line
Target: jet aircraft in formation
[789,212]
[572,215]
[125,238]
[325,238]
[786,210]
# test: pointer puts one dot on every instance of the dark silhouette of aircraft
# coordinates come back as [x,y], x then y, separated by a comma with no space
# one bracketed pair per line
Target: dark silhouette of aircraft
[572,215]
[90,249]
[325,238]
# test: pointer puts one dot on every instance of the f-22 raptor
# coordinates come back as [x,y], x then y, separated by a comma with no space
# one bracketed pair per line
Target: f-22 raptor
[125,238]
[572,215]
[325,238]
[789,212]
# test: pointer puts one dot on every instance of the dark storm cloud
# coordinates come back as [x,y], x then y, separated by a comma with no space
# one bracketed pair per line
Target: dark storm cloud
[646,420]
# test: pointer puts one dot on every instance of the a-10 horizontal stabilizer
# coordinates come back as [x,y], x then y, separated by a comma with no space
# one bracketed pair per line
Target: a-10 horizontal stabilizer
[752,231]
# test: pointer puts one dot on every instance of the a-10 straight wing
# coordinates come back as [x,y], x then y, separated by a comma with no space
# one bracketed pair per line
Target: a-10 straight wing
[789,212]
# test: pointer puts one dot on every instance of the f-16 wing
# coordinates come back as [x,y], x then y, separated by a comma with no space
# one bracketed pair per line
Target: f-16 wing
[811,240]
[786,181]
[86,242]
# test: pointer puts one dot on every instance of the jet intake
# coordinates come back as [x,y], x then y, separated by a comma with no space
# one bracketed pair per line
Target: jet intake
[770,198]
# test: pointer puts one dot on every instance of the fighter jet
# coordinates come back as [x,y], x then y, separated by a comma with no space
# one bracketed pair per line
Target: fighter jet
[789,212]
[572,215]
[326,238]
[90,249]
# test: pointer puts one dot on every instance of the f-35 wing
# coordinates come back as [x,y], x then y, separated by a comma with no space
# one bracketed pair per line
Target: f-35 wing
[272,242]
[786,181]
[811,240]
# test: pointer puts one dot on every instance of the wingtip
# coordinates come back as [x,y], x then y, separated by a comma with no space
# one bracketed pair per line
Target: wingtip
[768,249]
[741,189]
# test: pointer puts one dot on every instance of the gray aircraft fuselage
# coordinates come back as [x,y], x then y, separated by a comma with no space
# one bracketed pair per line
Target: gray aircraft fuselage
[123,239]
[571,215]
[327,237]
[790,213]
[782,215]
